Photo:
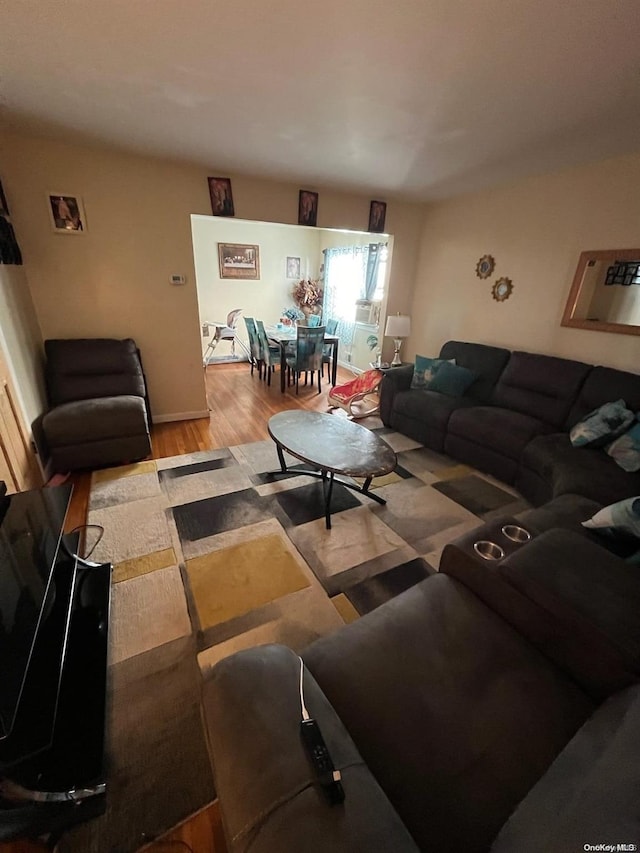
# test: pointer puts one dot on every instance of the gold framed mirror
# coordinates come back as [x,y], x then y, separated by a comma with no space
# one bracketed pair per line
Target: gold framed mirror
[605,294]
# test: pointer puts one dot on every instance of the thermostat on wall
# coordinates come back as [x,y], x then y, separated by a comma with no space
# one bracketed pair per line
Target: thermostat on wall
[178,279]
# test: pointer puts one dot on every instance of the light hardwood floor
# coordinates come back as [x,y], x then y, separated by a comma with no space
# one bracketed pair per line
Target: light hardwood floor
[240,407]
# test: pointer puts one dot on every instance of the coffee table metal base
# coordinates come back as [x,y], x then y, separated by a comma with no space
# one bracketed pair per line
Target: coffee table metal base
[328,478]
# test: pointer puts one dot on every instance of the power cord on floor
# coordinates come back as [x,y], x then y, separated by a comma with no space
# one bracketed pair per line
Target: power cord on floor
[84,561]
[97,527]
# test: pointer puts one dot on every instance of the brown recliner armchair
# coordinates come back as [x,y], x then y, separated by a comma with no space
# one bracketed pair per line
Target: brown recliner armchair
[99,413]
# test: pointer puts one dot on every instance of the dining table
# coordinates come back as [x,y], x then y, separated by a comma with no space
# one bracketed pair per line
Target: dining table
[287,334]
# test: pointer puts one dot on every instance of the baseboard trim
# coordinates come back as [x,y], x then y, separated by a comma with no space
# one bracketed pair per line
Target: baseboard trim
[180,416]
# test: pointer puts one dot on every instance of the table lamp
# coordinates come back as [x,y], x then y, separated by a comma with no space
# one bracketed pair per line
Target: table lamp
[398,327]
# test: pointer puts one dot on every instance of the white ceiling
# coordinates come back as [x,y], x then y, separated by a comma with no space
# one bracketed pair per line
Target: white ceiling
[403,98]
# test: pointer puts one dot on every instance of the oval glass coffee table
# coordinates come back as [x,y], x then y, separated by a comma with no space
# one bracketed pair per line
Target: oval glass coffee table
[333,445]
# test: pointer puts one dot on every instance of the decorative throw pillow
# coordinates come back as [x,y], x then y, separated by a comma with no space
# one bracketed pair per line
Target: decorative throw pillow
[626,449]
[602,425]
[425,369]
[452,380]
[622,517]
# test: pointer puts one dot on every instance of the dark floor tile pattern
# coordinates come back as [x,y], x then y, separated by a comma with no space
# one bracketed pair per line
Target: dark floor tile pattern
[307,502]
[209,516]
[372,592]
[199,519]
[197,468]
[475,494]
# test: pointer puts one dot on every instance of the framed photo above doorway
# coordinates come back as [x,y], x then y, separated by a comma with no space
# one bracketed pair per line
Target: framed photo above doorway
[307,208]
[377,216]
[221,196]
[66,213]
[239,260]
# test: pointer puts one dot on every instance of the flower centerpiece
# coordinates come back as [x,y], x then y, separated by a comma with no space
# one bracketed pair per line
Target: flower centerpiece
[291,315]
[307,294]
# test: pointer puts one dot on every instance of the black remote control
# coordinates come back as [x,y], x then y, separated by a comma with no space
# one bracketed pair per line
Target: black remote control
[321,759]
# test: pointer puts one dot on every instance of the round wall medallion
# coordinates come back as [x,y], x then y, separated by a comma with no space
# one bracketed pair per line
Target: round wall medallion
[485,266]
[502,289]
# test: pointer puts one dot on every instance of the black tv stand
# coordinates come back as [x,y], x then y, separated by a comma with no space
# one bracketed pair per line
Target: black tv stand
[52,769]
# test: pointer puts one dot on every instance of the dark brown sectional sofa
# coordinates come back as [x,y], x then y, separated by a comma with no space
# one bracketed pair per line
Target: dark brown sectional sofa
[494,706]
[515,418]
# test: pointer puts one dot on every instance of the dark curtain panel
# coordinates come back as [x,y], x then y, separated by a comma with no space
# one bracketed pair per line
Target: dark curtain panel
[9,250]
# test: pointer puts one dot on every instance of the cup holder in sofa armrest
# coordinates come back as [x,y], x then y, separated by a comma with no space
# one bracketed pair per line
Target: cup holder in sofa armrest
[488,550]
[519,587]
[515,533]
[488,544]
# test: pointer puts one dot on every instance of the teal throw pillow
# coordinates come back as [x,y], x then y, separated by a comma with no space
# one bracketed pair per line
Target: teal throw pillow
[452,380]
[424,371]
[602,425]
[625,450]
[621,517]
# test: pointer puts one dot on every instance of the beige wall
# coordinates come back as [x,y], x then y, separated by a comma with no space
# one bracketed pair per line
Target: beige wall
[21,341]
[535,230]
[114,279]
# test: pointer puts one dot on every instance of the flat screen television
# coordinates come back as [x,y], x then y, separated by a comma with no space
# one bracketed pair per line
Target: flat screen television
[31,525]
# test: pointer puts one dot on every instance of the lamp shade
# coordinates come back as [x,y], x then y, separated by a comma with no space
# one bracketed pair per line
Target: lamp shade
[398,326]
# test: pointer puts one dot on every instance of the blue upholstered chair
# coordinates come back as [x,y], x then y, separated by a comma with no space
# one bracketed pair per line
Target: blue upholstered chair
[269,353]
[314,320]
[254,345]
[327,353]
[308,354]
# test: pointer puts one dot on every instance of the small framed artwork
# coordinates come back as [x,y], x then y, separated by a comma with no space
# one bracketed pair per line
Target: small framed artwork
[66,213]
[239,260]
[221,196]
[4,207]
[377,215]
[293,268]
[307,208]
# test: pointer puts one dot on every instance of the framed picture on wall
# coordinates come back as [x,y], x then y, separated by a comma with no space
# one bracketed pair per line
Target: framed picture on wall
[221,196]
[377,215]
[239,260]
[307,208]
[293,268]
[66,213]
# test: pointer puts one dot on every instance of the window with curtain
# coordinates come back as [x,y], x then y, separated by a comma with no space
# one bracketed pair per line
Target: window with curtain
[352,273]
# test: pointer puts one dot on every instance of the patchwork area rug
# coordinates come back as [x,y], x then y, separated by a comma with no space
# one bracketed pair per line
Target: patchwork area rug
[213,553]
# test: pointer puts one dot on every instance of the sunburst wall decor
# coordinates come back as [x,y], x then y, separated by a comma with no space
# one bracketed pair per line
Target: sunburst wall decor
[502,289]
[485,266]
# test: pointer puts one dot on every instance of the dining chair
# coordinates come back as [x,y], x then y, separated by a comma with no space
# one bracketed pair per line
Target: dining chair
[269,353]
[254,345]
[327,352]
[314,320]
[308,354]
